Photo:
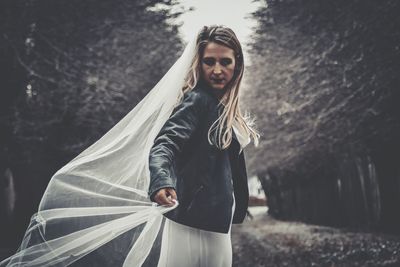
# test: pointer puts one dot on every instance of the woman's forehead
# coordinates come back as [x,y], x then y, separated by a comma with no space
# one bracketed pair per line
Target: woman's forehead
[216,50]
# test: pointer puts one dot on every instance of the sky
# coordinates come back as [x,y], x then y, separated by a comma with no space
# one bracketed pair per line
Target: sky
[232,13]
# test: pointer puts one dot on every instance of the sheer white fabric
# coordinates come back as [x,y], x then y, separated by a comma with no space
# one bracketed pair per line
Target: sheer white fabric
[95,210]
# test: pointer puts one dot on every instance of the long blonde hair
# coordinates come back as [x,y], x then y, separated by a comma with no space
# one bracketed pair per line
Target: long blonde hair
[222,127]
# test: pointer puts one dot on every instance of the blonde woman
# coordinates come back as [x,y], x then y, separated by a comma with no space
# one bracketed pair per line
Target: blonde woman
[180,147]
[197,157]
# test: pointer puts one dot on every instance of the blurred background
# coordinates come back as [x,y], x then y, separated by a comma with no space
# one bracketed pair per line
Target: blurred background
[321,81]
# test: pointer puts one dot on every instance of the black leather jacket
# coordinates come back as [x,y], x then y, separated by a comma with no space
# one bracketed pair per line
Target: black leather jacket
[202,175]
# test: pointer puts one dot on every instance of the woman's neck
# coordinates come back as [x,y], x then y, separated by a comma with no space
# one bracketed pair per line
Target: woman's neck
[218,93]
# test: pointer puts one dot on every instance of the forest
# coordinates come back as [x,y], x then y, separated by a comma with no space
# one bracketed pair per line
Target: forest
[70,71]
[321,81]
[324,85]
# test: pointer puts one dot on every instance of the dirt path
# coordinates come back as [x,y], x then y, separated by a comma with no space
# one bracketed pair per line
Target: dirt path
[265,241]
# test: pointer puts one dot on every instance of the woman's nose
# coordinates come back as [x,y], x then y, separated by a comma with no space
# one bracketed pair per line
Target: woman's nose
[217,69]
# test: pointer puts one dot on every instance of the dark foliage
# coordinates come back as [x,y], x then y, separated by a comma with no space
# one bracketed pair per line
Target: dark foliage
[325,85]
[70,70]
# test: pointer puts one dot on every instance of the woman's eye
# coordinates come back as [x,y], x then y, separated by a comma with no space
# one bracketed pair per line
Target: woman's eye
[226,61]
[209,61]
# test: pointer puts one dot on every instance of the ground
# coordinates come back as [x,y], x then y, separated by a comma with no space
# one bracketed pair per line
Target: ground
[265,241]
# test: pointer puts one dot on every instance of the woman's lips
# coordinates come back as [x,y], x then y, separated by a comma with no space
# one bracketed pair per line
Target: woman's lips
[217,81]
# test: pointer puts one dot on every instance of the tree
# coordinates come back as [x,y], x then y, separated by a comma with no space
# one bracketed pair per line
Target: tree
[73,69]
[324,83]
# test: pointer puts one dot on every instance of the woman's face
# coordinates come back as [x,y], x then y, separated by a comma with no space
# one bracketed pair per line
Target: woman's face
[218,65]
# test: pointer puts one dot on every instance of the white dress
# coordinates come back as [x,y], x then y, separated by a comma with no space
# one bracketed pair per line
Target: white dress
[185,246]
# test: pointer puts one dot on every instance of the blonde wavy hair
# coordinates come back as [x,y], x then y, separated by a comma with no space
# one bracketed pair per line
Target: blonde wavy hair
[222,127]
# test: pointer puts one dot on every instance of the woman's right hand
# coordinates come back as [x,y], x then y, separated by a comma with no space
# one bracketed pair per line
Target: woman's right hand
[165,196]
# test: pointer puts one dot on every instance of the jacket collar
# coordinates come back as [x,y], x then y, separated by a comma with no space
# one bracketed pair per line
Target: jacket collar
[203,86]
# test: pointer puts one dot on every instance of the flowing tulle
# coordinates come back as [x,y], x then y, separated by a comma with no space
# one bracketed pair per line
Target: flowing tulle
[95,210]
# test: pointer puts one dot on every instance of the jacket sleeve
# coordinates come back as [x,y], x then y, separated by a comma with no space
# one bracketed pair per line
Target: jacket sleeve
[176,131]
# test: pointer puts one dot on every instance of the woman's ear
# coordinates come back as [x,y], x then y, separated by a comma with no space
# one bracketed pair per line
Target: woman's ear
[237,69]
[238,62]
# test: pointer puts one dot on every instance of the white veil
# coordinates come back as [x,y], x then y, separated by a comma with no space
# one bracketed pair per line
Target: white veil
[95,210]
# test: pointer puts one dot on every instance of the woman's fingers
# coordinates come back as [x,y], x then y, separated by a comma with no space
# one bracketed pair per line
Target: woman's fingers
[172,193]
[161,197]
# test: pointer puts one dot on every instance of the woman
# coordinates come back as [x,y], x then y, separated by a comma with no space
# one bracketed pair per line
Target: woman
[96,210]
[197,157]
